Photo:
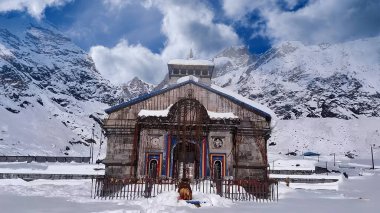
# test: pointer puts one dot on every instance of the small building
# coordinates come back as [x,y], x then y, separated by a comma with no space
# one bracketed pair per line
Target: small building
[189,128]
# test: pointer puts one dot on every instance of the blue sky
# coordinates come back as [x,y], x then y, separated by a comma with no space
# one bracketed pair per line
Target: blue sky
[88,23]
[81,19]
[128,38]
[79,15]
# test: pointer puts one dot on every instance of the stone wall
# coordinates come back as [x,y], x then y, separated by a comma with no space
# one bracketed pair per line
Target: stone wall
[151,141]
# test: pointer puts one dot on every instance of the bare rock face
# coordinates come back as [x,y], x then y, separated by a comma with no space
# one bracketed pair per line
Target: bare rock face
[296,81]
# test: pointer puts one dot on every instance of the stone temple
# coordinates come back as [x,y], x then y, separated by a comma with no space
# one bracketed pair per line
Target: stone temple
[188,128]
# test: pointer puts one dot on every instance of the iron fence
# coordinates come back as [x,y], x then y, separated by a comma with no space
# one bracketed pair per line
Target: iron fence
[134,188]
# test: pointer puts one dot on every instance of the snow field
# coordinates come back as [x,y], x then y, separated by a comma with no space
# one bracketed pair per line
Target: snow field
[353,194]
[52,168]
[326,136]
[357,192]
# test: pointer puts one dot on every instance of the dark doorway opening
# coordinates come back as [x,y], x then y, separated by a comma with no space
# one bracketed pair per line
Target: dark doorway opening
[187,161]
[152,169]
[218,170]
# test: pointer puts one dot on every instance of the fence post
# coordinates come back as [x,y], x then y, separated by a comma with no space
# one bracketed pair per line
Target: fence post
[373,162]
[334,159]
[128,189]
[277,190]
[92,183]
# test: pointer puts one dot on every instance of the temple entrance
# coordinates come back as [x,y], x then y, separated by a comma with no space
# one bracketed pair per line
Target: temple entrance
[186,164]
[217,170]
[152,172]
[189,118]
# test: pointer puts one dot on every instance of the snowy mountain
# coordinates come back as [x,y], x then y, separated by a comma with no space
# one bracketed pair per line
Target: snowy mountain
[50,91]
[51,94]
[332,90]
[135,87]
[231,59]
[296,81]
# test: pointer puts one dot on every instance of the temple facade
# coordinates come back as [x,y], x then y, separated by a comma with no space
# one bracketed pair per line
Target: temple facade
[189,128]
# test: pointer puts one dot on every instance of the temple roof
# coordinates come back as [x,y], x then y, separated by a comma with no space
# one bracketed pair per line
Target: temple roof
[232,96]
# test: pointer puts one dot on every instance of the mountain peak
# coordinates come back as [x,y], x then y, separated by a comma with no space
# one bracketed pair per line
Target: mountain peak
[47,80]
[134,80]
[18,24]
[288,47]
[295,80]
[234,52]
[231,59]
[136,87]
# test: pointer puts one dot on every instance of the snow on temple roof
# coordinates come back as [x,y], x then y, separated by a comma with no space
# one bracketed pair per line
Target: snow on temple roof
[244,100]
[155,113]
[187,78]
[191,62]
[165,112]
[221,115]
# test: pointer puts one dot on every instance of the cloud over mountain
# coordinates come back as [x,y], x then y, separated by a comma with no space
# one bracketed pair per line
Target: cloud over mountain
[121,63]
[315,22]
[128,38]
[183,30]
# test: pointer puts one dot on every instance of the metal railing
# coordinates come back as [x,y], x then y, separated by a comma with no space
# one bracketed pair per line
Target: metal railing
[134,188]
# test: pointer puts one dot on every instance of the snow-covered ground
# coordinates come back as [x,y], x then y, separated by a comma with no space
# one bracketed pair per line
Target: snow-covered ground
[33,131]
[357,193]
[52,168]
[326,136]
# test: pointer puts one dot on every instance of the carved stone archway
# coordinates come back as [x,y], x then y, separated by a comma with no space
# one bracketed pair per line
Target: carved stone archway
[190,119]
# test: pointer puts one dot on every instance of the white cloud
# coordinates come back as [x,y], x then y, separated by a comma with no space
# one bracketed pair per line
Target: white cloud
[319,21]
[190,25]
[34,7]
[236,9]
[116,4]
[185,25]
[326,21]
[290,4]
[123,62]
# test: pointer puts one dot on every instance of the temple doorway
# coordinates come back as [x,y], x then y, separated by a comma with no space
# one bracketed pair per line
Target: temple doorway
[186,161]
[218,170]
[152,172]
